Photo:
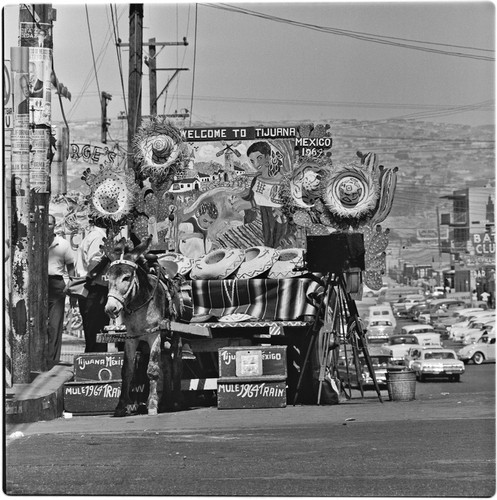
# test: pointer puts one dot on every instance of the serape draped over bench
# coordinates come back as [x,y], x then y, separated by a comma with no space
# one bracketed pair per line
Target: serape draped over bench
[263,299]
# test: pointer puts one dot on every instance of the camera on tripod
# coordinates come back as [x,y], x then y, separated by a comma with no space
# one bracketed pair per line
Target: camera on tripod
[337,253]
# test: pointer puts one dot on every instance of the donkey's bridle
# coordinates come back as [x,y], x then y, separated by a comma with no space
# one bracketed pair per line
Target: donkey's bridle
[123,298]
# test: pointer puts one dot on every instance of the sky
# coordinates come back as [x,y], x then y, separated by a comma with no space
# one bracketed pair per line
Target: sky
[353,60]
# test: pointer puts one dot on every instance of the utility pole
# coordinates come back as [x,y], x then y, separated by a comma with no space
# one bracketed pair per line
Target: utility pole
[30,160]
[135,75]
[105,123]
[152,76]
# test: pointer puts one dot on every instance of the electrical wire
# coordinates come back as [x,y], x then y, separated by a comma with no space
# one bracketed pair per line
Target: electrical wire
[117,39]
[361,35]
[93,53]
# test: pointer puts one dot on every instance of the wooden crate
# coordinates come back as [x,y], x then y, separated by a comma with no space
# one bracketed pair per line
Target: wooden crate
[94,398]
[261,392]
[91,398]
[98,366]
[253,361]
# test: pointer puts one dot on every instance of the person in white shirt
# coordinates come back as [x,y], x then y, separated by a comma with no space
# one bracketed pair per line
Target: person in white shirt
[60,263]
[92,307]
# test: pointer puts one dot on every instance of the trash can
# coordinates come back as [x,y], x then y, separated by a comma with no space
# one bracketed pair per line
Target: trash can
[401,384]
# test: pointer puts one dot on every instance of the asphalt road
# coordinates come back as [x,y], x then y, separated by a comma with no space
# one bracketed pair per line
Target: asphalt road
[442,444]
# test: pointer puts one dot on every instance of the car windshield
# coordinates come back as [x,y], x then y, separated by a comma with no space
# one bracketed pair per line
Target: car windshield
[403,340]
[439,355]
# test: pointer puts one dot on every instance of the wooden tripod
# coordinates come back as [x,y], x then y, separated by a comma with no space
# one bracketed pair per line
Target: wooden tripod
[336,299]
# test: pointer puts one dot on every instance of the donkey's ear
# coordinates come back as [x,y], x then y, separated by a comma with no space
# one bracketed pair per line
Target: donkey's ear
[142,248]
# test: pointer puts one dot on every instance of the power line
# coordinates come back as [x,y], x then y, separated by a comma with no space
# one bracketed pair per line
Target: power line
[119,55]
[361,35]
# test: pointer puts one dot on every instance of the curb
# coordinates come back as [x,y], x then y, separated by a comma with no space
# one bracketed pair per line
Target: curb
[42,399]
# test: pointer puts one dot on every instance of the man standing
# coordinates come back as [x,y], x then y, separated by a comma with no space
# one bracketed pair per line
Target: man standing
[60,262]
[92,307]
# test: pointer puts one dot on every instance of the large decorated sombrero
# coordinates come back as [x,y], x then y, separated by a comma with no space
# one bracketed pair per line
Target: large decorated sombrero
[351,192]
[160,150]
[217,265]
[258,260]
[184,263]
[290,264]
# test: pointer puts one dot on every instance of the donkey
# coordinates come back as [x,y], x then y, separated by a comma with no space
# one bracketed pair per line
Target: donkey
[147,302]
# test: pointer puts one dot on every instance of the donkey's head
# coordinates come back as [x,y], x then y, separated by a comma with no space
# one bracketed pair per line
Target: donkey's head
[124,282]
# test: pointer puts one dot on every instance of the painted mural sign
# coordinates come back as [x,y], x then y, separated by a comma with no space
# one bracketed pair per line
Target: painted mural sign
[229,195]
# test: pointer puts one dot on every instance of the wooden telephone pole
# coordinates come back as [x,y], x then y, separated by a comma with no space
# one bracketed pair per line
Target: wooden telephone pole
[135,76]
[152,66]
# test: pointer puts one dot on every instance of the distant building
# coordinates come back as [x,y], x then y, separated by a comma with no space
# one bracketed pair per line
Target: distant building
[472,237]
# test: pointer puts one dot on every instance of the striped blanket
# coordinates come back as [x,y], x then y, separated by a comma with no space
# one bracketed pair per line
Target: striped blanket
[263,299]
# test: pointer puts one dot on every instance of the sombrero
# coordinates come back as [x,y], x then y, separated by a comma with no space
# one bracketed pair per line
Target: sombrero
[258,260]
[183,262]
[217,265]
[351,192]
[289,260]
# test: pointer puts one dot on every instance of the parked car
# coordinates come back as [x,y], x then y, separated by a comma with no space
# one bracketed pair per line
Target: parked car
[352,377]
[456,316]
[482,351]
[436,362]
[456,331]
[399,345]
[379,330]
[472,325]
[425,334]
[401,308]
[414,353]
[382,311]
[479,327]
[417,309]
[441,308]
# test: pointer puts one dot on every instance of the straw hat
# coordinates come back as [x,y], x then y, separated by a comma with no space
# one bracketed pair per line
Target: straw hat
[218,264]
[183,262]
[258,260]
[288,260]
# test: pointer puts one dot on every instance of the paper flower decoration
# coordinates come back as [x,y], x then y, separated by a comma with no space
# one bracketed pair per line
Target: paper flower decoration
[112,193]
